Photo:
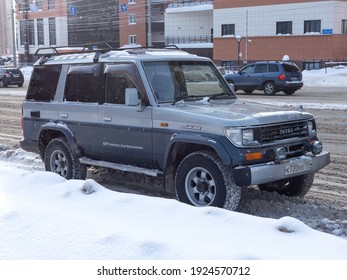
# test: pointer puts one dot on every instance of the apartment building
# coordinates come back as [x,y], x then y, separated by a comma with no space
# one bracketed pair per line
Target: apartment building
[40,23]
[309,32]
[141,22]
[6,30]
[44,23]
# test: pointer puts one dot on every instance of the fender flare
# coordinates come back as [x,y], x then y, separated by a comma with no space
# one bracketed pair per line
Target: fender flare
[66,131]
[197,139]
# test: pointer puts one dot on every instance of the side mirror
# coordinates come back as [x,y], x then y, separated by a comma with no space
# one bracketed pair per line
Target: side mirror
[131,97]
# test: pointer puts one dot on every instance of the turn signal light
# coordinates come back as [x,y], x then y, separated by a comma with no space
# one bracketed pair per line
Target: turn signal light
[254,156]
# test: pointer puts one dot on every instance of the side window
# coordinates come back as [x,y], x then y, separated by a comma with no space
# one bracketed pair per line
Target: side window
[116,83]
[260,68]
[43,83]
[119,77]
[82,83]
[248,69]
[273,68]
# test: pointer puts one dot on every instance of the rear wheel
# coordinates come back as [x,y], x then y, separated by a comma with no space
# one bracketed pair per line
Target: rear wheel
[296,186]
[270,88]
[59,159]
[203,180]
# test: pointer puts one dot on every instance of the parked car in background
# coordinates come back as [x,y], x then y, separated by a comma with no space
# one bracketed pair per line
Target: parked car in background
[269,76]
[11,76]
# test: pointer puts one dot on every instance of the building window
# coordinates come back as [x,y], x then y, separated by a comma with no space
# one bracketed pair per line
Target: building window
[31,32]
[312,26]
[40,33]
[132,39]
[52,32]
[132,18]
[21,8]
[132,2]
[39,4]
[51,4]
[228,29]
[22,31]
[284,27]
[344,26]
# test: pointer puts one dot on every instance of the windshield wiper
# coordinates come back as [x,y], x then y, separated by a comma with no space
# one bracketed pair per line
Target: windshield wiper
[217,95]
[183,97]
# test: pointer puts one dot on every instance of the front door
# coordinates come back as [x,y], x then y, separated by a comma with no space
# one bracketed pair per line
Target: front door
[125,132]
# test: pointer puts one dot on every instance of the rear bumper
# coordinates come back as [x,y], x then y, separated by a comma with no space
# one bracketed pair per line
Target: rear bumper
[271,172]
[29,146]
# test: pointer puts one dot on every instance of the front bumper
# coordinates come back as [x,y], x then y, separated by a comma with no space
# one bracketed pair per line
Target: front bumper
[271,171]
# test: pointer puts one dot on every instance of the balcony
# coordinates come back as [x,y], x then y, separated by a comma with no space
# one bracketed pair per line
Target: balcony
[172,40]
[190,6]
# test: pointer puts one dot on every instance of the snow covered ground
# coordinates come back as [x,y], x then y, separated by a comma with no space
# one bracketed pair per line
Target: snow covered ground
[43,216]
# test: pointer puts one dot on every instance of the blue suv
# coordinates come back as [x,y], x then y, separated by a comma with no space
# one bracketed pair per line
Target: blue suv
[269,76]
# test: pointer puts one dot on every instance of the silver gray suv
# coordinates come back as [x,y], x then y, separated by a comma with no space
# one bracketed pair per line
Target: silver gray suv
[165,113]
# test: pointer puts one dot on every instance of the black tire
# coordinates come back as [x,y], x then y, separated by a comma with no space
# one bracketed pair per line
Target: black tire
[20,85]
[59,159]
[269,88]
[296,186]
[202,180]
[248,91]
[2,84]
[289,92]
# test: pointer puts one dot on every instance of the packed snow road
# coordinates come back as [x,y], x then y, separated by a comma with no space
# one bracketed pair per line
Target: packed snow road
[323,208]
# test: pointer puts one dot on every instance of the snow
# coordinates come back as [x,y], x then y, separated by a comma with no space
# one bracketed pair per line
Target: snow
[45,217]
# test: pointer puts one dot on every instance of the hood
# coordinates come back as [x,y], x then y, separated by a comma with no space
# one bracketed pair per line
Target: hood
[236,113]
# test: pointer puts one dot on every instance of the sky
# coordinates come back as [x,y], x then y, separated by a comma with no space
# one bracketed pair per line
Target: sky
[45,217]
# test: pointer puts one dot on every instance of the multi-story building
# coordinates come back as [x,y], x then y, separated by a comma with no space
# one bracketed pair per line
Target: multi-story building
[307,31]
[141,22]
[45,23]
[41,23]
[6,30]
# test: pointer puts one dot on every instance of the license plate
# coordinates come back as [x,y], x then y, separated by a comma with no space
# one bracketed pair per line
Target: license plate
[295,78]
[16,76]
[297,167]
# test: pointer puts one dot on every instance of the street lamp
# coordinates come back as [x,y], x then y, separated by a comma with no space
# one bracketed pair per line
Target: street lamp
[238,39]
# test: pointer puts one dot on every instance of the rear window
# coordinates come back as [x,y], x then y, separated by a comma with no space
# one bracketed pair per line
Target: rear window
[290,67]
[273,68]
[43,83]
[15,71]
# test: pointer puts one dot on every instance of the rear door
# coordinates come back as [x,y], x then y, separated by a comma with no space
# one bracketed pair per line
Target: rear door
[79,107]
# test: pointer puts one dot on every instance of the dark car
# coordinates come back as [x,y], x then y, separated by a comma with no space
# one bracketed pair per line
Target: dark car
[11,76]
[269,76]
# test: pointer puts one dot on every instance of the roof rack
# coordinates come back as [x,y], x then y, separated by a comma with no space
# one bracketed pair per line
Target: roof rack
[96,48]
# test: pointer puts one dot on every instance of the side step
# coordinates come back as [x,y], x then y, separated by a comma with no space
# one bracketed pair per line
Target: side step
[121,167]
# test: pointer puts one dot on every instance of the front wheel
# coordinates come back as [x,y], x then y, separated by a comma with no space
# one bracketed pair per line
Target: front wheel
[296,186]
[59,159]
[203,180]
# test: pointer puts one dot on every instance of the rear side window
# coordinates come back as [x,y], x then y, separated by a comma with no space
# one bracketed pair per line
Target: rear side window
[43,83]
[260,68]
[82,83]
[290,67]
[273,68]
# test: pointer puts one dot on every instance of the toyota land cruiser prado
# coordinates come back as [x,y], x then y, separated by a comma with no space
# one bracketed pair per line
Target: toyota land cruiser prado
[164,112]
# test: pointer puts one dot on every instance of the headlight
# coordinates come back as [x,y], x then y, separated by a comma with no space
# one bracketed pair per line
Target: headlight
[311,128]
[241,137]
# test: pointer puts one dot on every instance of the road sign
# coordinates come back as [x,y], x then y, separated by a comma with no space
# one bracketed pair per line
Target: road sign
[73,10]
[124,8]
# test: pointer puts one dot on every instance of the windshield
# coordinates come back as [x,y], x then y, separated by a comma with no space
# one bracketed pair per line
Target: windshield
[177,80]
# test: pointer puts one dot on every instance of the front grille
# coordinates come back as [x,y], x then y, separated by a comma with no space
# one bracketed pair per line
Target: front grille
[283,131]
